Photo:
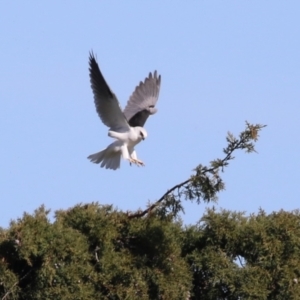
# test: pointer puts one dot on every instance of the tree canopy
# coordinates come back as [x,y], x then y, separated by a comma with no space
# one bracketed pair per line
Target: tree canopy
[95,251]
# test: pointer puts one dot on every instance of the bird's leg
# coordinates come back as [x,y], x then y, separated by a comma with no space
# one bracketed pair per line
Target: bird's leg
[139,162]
[136,162]
[131,161]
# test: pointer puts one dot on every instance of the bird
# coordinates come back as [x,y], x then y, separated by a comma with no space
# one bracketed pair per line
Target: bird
[127,126]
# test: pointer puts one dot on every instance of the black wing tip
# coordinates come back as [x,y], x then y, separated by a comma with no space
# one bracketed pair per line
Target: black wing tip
[92,55]
[150,77]
[156,77]
[96,77]
[93,65]
[92,58]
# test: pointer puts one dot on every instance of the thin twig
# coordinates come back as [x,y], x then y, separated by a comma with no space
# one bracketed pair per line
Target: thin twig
[10,290]
[96,254]
[240,261]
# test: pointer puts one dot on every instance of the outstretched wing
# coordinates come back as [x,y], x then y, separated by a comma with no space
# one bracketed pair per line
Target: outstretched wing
[107,104]
[142,102]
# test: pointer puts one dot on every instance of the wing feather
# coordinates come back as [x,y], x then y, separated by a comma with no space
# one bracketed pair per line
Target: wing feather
[142,102]
[106,102]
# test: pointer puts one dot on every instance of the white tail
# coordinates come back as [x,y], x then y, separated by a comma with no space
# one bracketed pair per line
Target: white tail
[110,159]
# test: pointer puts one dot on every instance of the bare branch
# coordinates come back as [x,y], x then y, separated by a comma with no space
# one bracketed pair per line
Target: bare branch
[151,207]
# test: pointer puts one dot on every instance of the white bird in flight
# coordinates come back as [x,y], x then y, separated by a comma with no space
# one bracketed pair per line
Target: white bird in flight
[127,126]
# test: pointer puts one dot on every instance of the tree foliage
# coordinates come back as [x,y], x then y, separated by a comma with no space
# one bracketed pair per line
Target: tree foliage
[95,251]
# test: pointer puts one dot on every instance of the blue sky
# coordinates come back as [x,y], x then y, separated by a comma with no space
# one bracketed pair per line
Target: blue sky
[221,62]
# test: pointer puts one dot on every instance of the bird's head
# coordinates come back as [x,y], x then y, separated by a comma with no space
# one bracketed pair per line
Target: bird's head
[141,132]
